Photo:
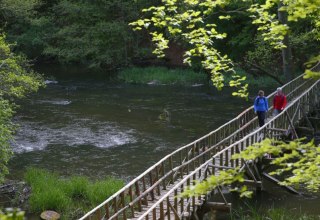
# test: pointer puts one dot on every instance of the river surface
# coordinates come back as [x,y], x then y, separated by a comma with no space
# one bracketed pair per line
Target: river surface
[97,128]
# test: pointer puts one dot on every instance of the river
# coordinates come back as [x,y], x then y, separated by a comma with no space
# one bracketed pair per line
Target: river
[97,128]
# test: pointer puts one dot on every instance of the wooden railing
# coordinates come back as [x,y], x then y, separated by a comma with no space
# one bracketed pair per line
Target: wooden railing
[152,183]
[170,206]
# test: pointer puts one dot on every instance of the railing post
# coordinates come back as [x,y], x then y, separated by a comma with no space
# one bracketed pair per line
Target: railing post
[131,199]
[171,168]
[138,194]
[123,205]
[163,174]
[157,178]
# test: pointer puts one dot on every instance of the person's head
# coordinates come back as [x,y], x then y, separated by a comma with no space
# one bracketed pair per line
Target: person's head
[261,93]
[279,91]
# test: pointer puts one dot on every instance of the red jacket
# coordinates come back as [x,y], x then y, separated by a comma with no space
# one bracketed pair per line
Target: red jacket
[279,102]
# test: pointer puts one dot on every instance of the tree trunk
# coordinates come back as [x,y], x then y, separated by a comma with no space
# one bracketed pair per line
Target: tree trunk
[286,52]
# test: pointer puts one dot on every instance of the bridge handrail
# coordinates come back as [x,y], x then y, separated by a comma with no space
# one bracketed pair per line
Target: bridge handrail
[261,132]
[247,115]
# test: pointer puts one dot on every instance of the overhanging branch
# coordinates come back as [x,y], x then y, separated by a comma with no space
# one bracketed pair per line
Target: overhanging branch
[266,72]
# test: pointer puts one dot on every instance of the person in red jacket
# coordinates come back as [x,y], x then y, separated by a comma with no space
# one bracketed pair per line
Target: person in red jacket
[279,102]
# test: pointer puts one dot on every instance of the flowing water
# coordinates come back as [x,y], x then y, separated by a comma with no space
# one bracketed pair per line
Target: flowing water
[98,128]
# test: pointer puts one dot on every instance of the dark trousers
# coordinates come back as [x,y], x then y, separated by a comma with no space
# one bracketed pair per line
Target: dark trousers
[261,117]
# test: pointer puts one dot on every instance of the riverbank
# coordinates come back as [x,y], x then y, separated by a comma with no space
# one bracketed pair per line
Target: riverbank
[162,76]
[44,190]
[184,76]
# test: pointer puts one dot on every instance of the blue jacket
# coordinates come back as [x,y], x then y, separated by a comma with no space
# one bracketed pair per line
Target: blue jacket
[260,104]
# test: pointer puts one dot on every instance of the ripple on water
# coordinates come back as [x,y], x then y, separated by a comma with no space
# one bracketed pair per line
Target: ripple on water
[33,136]
[54,102]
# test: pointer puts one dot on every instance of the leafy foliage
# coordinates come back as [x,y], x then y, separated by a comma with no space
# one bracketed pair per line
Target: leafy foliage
[189,20]
[299,161]
[93,33]
[96,34]
[12,214]
[310,73]
[186,20]
[225,178]
[264,56]
[19,9]
[16,81]
[94,38]
[302,161]
[16,77]
[6,130]
[273,31]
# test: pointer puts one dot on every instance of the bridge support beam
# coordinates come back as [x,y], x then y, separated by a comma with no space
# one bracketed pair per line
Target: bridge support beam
[274,180]
[212,208]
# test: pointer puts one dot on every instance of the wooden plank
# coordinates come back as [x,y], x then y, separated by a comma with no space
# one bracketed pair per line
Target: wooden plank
[277,129]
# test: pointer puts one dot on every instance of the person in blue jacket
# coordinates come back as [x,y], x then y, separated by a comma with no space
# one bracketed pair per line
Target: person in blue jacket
[261,107]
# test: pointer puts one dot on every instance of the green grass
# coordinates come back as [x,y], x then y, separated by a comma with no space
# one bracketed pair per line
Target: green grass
[161,75]
[270,214]
[72,197]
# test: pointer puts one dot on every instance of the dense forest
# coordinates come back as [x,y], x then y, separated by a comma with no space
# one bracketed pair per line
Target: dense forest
[97,34]
[93,33]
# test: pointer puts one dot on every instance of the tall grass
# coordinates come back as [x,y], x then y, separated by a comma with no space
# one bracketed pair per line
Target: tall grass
[161,75]
[251,213]
[72,197]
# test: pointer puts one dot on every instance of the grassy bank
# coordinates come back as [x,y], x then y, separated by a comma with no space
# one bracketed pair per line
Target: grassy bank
[71,197]
[162,75]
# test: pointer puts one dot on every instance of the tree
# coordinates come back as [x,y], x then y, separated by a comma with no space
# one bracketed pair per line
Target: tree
[16,81]
[92,33]
[19,20]
[189,21]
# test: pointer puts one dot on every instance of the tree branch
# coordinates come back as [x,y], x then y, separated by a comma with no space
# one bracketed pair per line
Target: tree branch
[266,72]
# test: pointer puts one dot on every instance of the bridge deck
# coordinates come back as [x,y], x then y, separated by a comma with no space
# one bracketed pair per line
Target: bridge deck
[171,200]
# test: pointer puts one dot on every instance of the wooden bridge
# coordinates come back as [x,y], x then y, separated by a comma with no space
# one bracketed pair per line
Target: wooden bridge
[153,194]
